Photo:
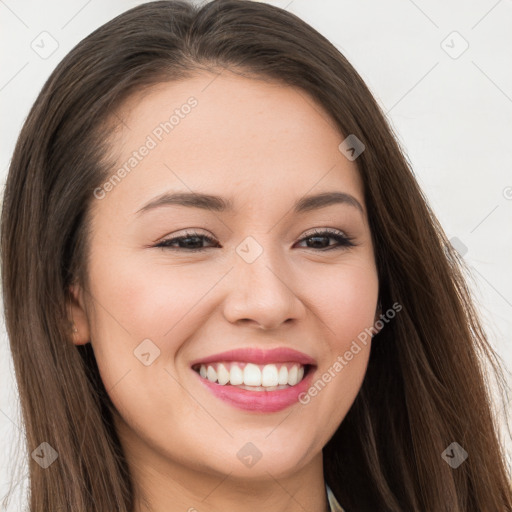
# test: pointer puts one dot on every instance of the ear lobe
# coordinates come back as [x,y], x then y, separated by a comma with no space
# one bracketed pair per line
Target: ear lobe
[79,328]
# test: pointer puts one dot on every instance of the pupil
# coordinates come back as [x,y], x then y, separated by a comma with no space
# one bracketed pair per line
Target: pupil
[319,238]
[195,239]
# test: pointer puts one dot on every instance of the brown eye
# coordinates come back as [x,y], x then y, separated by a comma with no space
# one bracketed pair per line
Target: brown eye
[188,242]
[193,242]
[319,237]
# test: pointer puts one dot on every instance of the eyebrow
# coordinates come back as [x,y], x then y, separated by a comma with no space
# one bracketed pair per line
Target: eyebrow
[220,204]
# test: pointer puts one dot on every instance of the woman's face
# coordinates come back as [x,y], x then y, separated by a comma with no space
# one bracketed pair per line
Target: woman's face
[267,282]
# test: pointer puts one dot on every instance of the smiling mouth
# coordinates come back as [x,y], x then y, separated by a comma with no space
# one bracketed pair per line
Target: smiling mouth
[253,377]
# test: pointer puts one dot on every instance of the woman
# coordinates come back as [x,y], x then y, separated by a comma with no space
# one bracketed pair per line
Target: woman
[320,351]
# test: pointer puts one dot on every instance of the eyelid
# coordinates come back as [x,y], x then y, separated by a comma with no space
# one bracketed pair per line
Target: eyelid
[308,233]
[321,231]
[185,233]
[343,240]
[188,233]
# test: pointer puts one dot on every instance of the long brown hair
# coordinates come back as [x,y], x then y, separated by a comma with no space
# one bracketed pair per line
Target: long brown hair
[426,385]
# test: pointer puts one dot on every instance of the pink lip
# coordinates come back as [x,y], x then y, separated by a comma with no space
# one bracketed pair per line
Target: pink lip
[259,401]
[259,356]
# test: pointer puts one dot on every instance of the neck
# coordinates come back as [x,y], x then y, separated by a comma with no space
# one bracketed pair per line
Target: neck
[165,485]
[163,492]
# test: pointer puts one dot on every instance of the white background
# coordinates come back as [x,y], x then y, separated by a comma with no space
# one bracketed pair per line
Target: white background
[452,115]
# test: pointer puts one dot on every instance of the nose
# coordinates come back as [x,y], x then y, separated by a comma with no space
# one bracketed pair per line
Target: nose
[262,293]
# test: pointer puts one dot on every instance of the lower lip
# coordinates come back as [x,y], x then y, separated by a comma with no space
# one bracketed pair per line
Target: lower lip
[259,401]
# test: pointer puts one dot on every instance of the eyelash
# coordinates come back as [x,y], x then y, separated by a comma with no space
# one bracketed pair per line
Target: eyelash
[343,241]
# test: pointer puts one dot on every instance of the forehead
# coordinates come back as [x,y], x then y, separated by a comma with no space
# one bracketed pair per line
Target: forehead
[247,139]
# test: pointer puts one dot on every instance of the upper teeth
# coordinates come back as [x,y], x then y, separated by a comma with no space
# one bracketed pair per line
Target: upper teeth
[249,374]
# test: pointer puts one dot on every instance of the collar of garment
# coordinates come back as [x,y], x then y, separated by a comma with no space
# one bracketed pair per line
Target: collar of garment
[334,506]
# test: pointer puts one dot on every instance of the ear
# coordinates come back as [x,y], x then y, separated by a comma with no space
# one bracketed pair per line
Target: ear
[79,329]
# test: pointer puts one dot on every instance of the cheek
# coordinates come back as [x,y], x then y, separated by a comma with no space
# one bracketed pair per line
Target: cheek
[139,301]
[345,304]
[345,299]
[145,297]
[141,316]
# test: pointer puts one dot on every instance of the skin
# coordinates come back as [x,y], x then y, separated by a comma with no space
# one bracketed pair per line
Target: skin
[263,145]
